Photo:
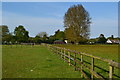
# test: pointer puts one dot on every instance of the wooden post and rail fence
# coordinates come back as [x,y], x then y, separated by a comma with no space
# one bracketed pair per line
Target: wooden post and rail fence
[74,58]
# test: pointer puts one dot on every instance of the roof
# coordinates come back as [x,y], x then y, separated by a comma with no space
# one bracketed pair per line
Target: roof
[113,41]
[58,41]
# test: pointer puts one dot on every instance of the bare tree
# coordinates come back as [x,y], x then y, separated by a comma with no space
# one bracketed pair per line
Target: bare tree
[77,18]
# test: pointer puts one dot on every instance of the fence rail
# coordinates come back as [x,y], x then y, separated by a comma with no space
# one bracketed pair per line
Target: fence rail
[73,60]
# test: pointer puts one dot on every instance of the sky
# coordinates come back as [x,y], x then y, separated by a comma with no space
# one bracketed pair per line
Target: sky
[59,0]
[49,16]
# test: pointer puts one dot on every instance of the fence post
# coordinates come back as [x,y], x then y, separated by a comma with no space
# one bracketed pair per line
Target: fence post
[110,72]
[50,48]
[56,50]
[69,57]
[53,49]
[64,54]
[61,53]
[92,67]
[81,65]
[75,60]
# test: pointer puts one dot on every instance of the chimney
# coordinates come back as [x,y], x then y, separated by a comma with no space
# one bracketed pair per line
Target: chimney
[112,36]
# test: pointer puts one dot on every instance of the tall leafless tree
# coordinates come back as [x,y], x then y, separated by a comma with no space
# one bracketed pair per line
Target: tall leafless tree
[77,18]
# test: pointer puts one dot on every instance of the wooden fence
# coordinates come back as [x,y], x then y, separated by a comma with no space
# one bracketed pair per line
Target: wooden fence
[74,58]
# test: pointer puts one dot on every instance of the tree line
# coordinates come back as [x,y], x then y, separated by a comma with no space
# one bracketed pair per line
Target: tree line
[21,35]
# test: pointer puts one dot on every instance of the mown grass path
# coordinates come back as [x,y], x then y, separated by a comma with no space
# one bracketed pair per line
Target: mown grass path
[34,62]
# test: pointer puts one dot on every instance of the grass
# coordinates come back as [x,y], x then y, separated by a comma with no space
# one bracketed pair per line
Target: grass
[104,51]
[39,62]
[34,62]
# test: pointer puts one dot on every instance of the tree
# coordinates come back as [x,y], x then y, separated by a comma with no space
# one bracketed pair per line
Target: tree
[6,36]
[44,38]
[41,34]
[21,34]
[77,23]
[51,39]
[31,40]
[4,30]
[41,37]
[69,34]
[59,35]
[112,37]
[37,39]
[102,39]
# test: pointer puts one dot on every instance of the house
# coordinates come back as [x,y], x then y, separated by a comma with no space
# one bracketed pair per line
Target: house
[113,41]
[66,41]
[109,41]
[59,42]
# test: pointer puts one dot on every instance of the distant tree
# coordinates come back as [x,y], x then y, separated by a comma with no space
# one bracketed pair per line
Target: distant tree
[31,40]
[51,39]
[92,40]
[21,34]
[77,23]
[13,39]
[41,34]
[45,39]
[69,34]
[7,38]
[112,37]
[102,39]
[5,34]
[83,40]
[5,30]
[37,39]
[42,37]
[59,35]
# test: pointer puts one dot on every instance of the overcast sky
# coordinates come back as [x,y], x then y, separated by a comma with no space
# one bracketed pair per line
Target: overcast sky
[48,16]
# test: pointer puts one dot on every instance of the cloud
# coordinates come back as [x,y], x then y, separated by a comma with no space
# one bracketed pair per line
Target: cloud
[33,24]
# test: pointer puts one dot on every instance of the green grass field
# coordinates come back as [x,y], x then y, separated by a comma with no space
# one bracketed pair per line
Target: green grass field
[39,62]
[103,51]
[34,62]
